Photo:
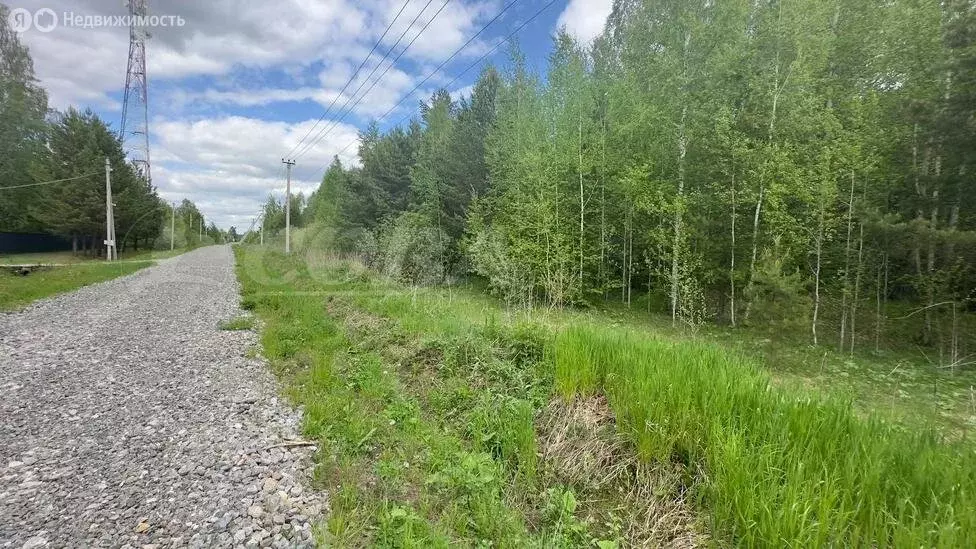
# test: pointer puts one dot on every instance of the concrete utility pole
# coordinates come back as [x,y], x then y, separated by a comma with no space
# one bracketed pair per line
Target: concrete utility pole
[172,229]
[110,251]
[201,228]
[289,164]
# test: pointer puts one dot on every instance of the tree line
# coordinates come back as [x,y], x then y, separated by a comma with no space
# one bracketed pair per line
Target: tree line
[795,163]
[38,144]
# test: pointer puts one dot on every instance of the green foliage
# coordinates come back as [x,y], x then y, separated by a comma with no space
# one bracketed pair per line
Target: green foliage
[238,323]
[37,146]
[23,106]
[429,483]
[735,187]
[779,298]
[439,402]
[411,249]
[776,466]
[503,427]
[18,290]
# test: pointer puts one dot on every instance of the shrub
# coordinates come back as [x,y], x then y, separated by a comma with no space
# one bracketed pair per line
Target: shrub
[490,259]
[411,250]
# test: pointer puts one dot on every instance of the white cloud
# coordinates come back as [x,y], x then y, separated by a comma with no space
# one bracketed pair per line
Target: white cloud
[454,25]
[235,161]
[222,35]
[585,19]
[464,92]
[237,57]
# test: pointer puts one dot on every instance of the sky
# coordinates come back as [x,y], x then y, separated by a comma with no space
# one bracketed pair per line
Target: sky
[235,88]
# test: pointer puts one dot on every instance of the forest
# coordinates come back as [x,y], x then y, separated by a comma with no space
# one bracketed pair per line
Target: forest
[40,145]
[800,165]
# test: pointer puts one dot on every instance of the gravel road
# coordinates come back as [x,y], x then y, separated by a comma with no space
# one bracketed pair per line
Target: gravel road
[128,418]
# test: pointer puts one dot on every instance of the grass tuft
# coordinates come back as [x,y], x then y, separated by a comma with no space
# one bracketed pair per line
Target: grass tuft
[238,323]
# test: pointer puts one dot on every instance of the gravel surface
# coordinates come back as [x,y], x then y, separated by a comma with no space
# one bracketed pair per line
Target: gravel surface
[128,418]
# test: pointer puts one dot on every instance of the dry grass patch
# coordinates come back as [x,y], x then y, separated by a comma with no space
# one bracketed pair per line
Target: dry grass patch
[581,447]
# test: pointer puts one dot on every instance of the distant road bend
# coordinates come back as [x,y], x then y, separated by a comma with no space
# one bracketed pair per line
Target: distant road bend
[128,418]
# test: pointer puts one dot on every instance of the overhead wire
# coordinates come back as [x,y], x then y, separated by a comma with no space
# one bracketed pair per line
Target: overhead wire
[351,78]
[343,110]
[49,182]
[456,78]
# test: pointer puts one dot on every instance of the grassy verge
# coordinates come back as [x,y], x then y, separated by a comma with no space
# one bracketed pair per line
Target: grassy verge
[445,433]
[61,258]
[446,420]
[17,291]
[69,258]
[905,386]
[777,467]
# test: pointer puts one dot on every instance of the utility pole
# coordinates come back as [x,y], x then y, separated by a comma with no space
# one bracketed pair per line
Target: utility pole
[110,252]
[289,164]
[172,229]
[201,229]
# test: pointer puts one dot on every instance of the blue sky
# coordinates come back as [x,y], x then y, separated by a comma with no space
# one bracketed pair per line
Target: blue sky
[237,87]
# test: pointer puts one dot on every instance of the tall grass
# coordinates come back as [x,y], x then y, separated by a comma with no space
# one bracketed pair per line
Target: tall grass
[16,291]
[773,467]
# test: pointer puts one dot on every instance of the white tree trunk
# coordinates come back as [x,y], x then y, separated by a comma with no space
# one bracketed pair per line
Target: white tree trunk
[755,248]
[581,204]
[732,256]
[857,284]
[847,266]
[679,207]
[816,272]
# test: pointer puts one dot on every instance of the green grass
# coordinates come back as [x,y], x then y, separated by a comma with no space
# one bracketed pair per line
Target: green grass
[238,323]
[17,290]
[773,466]
[69,258]
[901,383]
[427,437]
[454,385]
[45,257]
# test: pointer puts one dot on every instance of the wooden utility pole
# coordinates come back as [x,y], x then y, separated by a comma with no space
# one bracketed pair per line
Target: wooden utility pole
[289,164]
[110,250]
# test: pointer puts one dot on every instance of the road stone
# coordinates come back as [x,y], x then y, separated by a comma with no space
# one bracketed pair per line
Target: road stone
[123,404]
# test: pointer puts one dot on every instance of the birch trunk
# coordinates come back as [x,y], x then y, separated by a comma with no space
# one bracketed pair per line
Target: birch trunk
[816,272]
[857,284]
[676,245]
[847,266]
[732,256]
[755,248]
[603,208]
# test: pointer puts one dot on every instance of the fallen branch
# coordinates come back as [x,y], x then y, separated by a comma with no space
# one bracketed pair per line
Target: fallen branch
[289,444]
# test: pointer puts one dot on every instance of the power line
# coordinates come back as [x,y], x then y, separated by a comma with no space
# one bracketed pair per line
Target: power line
[453,55]
[456,78]
[351,78]
[48,182]
[345,112]
[439,67]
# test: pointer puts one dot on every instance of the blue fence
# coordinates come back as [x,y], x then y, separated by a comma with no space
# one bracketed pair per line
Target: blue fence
[20,243]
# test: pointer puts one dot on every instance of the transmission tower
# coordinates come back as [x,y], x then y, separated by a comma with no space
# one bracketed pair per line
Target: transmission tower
[135,106]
